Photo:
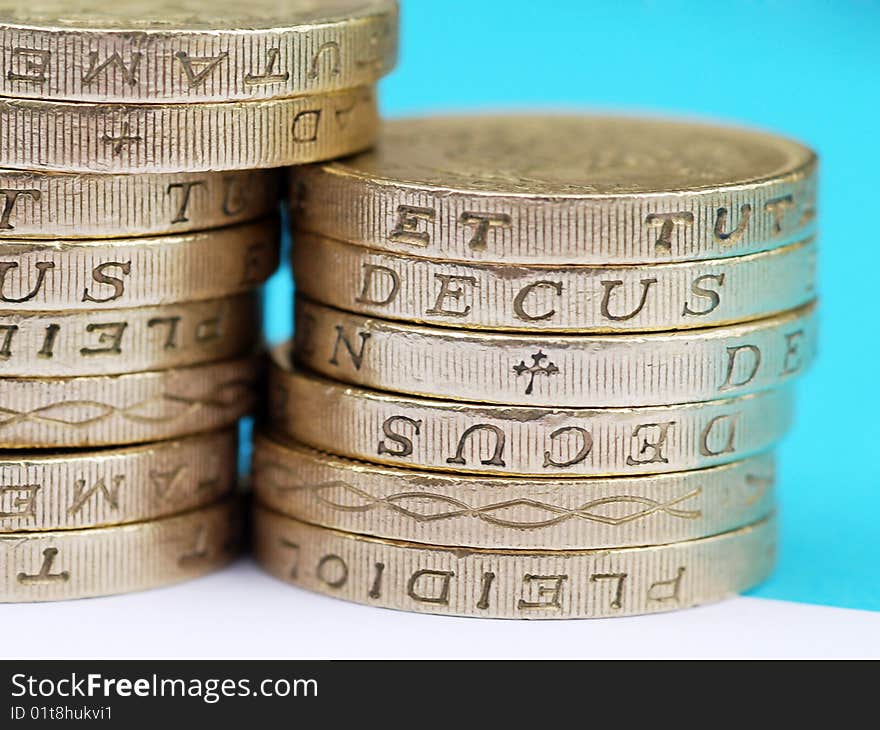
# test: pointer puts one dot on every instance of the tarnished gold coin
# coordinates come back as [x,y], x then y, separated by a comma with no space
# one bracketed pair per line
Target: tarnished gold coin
[118,341]
[111,410]
[59,205]
[563,190]
[575,370]
[65,564]
[509,513]
[173,138]
[530,584]
[555,298]
[77,489]
[193,50]
[93,274]
[424,433]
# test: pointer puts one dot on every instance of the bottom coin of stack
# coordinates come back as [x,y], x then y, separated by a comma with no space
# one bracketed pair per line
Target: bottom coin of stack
[493,545]
[113,520]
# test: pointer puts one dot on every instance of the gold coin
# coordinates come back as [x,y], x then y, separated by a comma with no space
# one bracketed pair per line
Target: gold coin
[547,370]
[118,341]
[65,564]
[504,513]
[111,410]
[554,298]
[425,433]
[55,205]
[131,272]
[193,50]
[167,138]
[77,489]
[530,584]
[563,190]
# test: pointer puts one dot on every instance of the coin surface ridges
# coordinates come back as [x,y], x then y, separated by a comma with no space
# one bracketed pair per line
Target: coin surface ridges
[189,52]
[563,189]
[509,513]
[555,298]
[51,566]
[541,584]
[547,370]
[98,274]
[157,138]
[58,205]
[78,489]
[118,341]
[450,436]
[122,409]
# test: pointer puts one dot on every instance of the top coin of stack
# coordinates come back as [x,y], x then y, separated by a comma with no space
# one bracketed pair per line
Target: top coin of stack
[189,85]
[559,349]
[133,239]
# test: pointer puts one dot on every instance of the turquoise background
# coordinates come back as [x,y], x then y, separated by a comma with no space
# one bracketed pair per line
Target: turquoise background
[810,70]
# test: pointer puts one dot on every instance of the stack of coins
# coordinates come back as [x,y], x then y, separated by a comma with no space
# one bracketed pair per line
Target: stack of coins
[134,233]
[542,363]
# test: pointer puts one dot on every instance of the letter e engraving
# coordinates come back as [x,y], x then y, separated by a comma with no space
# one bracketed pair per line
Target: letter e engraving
[650,452]
[450,289]
[792,361]
[33,65]
[22,500]
[549,596]
[407,228]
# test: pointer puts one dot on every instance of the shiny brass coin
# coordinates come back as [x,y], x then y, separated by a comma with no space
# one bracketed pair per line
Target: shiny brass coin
[571,370]
[118,341]
[193,50]
[424,433]
[53,566]
[529,584]
[563,190]
[504,513]
[131,272]
[122,409]
[555,298]
[76,489]
[171,138]
[56,205]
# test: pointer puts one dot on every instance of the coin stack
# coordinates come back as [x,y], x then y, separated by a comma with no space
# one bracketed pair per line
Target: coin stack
[541,366]
[135,230]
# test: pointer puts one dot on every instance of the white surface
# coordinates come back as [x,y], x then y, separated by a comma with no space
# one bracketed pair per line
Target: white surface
[241,612]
